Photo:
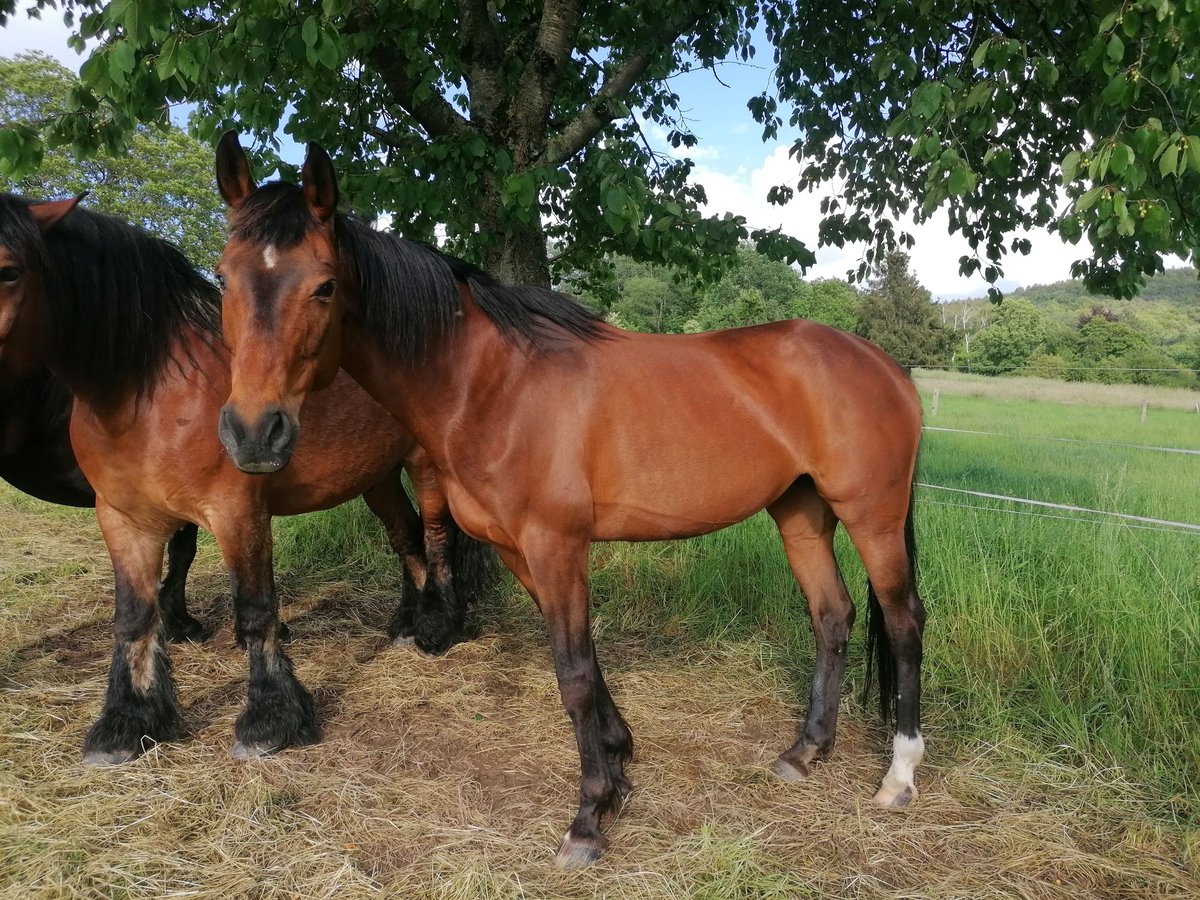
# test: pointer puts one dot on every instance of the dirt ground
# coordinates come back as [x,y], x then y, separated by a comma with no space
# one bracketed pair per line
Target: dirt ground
[455,777]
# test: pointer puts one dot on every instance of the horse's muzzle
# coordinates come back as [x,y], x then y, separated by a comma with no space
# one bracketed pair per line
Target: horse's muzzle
[262,447]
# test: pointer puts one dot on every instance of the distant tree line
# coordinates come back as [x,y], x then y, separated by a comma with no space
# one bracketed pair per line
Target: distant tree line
[1057,331]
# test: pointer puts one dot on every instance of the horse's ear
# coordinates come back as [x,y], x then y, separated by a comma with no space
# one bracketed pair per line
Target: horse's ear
[320,183]
[233,171]
[51,212]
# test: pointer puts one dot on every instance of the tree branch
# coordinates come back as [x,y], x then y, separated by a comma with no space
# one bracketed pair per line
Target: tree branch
[602,108]
[433,113]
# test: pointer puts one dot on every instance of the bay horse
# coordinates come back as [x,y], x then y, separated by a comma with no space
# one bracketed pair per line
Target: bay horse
[550,429]
[36,458]
[132,330]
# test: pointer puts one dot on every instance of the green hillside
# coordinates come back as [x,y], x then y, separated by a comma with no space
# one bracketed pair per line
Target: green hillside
[1161,327]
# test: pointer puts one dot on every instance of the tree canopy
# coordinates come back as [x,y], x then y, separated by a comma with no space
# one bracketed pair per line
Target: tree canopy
[163,182]
[508,122]
[754,289]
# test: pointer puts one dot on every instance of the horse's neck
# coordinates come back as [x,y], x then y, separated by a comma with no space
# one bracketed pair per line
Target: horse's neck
[197,365]
[438,398]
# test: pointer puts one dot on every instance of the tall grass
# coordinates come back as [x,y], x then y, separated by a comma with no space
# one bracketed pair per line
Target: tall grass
[1072,640]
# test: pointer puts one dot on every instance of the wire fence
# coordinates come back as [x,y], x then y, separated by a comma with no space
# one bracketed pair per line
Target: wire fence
[1113,517]
[1045,437]
[1082,514]
[983,369]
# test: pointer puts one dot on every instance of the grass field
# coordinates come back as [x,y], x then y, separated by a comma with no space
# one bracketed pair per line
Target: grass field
[1062,705]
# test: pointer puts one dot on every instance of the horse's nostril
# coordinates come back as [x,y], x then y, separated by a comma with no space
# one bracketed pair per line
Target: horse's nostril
[278,431]
[232,430]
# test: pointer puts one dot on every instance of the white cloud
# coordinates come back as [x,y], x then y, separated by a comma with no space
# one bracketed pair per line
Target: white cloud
[47,34]
[934,256]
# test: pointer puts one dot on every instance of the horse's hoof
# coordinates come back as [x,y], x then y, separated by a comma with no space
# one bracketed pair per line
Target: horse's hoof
[889,797]
[245,752]
[108,757]
[404,640]
[575,853]
[189,631]
[789,770]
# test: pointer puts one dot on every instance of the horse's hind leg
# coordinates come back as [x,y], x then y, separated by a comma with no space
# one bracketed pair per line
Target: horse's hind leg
[139,703]
[896,622]
[441,620]
[807,525]
[391,506]
[178,624]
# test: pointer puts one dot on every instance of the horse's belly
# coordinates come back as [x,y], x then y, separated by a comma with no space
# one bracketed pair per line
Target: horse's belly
[671,506]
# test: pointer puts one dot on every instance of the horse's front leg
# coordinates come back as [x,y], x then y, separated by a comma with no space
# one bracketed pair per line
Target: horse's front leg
[554,568]
[279,712]
[139,704]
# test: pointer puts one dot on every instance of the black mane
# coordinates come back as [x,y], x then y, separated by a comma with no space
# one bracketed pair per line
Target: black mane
[408,291]
[118,297]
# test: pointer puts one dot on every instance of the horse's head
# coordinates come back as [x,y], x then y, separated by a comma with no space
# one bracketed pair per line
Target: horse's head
[24,314]
[281,304]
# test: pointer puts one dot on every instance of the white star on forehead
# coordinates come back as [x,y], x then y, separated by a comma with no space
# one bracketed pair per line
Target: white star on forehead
[269,258]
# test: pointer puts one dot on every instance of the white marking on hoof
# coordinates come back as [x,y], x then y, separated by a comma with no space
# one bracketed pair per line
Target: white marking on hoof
[789,771]
[108,757]
[245,752]
[899,788]
[404,640]
[573,854]
[269,257]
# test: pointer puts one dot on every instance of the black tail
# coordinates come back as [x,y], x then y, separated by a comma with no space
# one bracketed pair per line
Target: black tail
[476,571]
[879,645]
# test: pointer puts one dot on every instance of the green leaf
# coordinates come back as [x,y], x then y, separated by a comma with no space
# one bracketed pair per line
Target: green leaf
[1193,152]
[1114,91]
[1070,166]
[615,199]
[927,100]
[1115,49]
[962,181]
[1046,72]
[188,63]
[1121,159]
[121,60]
[979,57]
[1088,200]
[1156,220]
[310,31]
[168,58]
[1169,161]
[328,54]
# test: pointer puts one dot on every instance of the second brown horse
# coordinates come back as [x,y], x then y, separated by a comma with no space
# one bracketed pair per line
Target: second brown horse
[133,332]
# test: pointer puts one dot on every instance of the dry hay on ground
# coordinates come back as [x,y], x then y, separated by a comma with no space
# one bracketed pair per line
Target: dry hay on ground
[454,777]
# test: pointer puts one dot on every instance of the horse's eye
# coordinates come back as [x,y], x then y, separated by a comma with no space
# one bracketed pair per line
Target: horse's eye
[9,274]
[325,290]
[220,280]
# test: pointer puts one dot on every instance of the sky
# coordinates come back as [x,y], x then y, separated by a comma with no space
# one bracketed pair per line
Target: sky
[737,169]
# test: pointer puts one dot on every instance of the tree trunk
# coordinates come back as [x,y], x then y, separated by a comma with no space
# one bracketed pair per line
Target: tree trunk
[520,257]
